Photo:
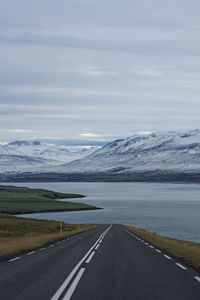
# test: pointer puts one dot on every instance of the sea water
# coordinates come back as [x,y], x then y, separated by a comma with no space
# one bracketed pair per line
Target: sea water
[169,209]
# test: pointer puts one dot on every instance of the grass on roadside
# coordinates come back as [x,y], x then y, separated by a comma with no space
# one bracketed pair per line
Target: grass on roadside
[188,252]
[20,234]
[18,200]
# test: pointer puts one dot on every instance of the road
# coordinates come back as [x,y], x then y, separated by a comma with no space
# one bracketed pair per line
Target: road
[102,264]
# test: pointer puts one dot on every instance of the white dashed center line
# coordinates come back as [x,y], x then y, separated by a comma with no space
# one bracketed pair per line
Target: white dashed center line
[97,247]
[74,284]
[64,285]
[90,257]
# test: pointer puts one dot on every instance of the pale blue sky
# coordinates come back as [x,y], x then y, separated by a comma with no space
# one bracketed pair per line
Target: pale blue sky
[92,71]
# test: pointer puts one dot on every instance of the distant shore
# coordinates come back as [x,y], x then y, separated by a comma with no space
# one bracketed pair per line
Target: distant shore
[150,176]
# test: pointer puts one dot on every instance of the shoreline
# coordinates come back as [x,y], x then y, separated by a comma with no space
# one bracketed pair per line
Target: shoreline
[52,211]
[15,200]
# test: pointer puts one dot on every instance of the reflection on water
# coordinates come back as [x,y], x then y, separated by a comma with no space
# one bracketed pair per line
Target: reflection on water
[169,209]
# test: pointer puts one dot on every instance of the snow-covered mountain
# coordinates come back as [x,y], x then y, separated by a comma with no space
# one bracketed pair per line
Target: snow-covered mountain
[168,151]
[27,156]
[164,152]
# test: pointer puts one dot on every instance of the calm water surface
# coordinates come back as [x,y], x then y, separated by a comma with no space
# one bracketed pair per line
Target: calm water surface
[169,209]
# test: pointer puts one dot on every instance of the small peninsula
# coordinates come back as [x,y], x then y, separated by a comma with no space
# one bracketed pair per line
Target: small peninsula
[22,200]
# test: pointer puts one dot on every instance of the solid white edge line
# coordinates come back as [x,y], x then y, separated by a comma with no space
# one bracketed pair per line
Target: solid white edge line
[74,285]
[90,257]
[181,266]
[197,278]
[168,257]
[13,259]
[70,276]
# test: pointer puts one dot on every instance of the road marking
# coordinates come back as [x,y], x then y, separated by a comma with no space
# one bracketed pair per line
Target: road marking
[90,257]
[51,246]
[13,259]
[30,253]
[97,247]
[158,250]
[168,257]
[74,285]
[146,244]
[42,249]
[151,246]
[73,272]
[181,266]
[58,243]
[197,278]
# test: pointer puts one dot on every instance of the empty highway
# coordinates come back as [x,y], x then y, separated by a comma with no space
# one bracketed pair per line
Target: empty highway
[103,264]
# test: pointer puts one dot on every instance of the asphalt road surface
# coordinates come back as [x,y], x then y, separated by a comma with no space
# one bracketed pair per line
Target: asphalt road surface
[106,263]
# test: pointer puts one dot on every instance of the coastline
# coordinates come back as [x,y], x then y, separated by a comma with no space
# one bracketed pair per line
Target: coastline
[16,200]
[56,210]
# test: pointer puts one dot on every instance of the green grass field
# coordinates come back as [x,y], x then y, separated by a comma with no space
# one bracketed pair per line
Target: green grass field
[18,200]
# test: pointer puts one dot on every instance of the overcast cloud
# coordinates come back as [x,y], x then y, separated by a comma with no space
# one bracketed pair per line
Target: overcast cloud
[88,71]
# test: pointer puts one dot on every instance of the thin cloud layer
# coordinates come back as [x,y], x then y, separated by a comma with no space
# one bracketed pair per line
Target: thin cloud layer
[98,70]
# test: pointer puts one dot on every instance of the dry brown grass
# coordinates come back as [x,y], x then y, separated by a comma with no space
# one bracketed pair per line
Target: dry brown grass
[19,234]
[188,252]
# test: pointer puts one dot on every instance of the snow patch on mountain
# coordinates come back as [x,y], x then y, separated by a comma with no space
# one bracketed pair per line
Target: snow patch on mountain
[165,151]
[31,156]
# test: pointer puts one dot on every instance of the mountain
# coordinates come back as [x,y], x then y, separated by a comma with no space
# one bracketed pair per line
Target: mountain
[59,154]
[165,151]
[32,156]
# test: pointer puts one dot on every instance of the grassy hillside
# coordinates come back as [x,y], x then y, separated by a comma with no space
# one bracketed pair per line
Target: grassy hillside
[19,234]
[188,252]
[18,200]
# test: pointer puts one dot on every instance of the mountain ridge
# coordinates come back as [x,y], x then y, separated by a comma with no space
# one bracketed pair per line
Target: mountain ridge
[35,156]
[169,151]
[154,153]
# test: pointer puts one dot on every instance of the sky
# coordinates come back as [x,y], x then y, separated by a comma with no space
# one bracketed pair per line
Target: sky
[87,72]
